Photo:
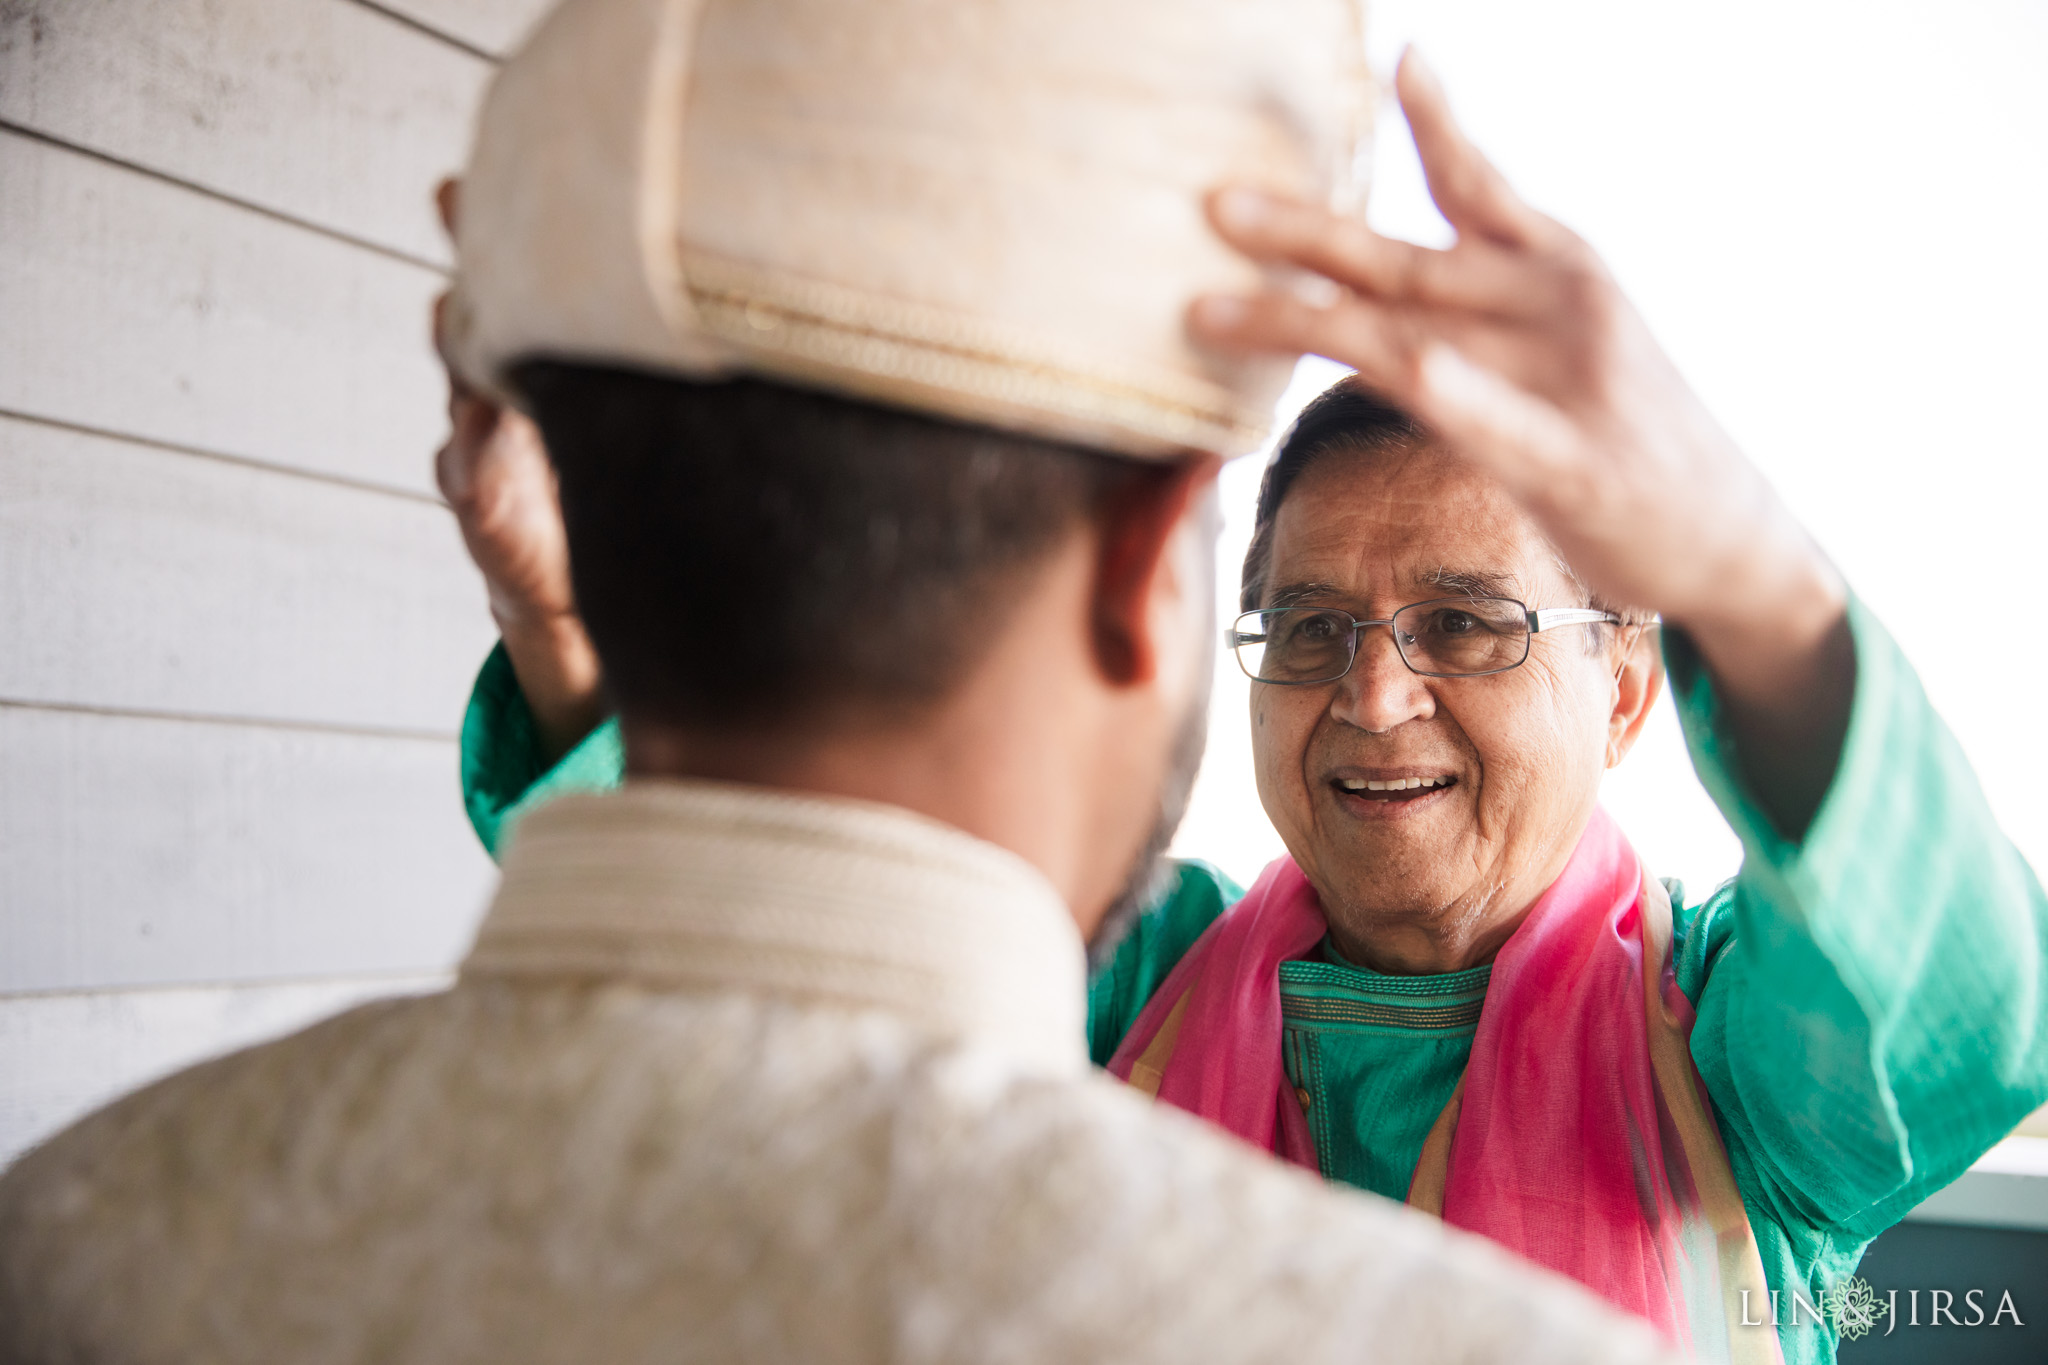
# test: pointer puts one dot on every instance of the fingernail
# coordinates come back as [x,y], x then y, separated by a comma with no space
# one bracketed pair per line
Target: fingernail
[1243,210]
[1220,313]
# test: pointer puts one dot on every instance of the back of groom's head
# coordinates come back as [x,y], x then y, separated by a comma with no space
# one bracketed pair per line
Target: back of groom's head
[745,552]
[791,587]
[882,444]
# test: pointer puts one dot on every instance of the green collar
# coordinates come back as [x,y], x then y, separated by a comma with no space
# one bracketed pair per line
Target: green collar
[1333,992]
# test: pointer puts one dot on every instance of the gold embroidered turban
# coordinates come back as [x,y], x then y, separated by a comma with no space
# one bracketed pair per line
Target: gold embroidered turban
[989,209]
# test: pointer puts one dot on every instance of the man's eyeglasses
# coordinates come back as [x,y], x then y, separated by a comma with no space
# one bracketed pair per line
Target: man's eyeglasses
[1447,637]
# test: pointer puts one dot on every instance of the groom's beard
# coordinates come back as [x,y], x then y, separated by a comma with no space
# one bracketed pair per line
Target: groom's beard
[1151,870]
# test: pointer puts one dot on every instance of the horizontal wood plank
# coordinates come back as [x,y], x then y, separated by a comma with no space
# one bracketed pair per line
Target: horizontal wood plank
[66,1055]
[322,110]
[493,26]
[139,851]
[138,307]
[141,579]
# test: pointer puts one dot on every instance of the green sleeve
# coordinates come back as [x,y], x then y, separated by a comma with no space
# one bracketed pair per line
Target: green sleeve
[503,774]
[1187,904]
[1872,998]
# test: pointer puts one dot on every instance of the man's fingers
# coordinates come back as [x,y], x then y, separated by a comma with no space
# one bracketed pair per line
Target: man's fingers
[453,474]
[1526,443]
[440,335]
[1377,343]
[472,423]
[448,203]
[1470,193]
[1477,276]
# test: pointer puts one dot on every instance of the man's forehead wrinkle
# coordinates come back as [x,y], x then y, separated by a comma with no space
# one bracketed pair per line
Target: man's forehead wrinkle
[1300,594]
[1472,582]
[1376,535]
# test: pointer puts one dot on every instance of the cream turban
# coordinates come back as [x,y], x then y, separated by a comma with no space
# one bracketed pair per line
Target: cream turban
[989,209]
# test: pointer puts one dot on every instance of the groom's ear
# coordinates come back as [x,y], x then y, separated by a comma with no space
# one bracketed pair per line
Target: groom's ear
[1638,682]
[1151,577]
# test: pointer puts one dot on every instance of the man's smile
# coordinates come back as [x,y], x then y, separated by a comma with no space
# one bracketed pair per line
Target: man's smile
[1386,791]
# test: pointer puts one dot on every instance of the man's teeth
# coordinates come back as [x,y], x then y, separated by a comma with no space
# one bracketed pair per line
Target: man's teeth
[1398,784]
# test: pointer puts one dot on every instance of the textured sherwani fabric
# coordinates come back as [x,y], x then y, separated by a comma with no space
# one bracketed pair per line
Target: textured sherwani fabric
[988,209]
[730,1076]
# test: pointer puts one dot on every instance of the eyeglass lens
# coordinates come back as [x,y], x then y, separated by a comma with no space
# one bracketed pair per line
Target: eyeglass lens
[1455,637]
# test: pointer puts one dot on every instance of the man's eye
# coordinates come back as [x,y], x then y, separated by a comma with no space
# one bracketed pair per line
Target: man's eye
[1456,623]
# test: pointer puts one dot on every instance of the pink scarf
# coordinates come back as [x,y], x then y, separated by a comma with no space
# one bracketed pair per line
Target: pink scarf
[1580,1135]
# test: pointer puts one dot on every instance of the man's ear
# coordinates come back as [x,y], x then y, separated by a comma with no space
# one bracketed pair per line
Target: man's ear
[1143,585]
[1638,682]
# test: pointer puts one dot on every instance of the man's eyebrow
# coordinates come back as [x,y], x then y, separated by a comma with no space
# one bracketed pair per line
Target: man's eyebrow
[1303,594]
[1473,582]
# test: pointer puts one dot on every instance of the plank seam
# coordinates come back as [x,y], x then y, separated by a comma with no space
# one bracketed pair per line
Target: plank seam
[241,461]
[407,21]
[422,975]
[318,727]
[219,196]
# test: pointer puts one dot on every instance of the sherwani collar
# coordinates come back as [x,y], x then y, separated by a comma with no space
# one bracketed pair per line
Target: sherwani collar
[709,886]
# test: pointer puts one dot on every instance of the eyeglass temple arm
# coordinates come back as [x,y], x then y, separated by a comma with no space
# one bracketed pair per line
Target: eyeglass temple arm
[1550,618]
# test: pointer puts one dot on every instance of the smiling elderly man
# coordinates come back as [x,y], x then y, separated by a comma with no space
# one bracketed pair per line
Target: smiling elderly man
[1461,988]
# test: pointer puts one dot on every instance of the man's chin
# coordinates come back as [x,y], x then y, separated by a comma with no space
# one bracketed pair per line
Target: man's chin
[1374,838]
[1389,866]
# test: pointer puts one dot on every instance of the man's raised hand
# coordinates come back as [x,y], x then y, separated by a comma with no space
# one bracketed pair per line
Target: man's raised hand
[494,473]
[1519,350]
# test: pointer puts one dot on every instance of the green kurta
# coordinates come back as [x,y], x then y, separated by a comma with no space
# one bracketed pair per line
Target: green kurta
[1872,999]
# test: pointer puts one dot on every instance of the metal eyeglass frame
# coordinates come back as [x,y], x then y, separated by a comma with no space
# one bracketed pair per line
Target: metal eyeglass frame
[1540,620]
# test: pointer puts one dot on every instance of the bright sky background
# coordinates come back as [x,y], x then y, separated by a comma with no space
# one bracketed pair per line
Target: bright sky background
[1835,217]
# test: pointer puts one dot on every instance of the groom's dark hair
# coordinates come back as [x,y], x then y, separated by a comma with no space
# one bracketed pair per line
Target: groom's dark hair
[744,551]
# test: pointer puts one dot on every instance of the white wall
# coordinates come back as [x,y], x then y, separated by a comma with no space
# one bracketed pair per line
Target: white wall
[236,626]
[1832,214]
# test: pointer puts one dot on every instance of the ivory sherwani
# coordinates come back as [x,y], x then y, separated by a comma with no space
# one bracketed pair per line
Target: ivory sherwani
[729,1076]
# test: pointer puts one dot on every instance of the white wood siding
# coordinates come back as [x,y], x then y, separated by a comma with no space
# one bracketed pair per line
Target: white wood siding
[137,306]
[236,626]
[134,578]
[328,113]
[137,850]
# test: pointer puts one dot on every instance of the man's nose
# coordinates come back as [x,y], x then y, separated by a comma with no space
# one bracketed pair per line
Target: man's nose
[1381,691]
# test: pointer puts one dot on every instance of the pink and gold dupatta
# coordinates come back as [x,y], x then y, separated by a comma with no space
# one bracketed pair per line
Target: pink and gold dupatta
[1580,1135]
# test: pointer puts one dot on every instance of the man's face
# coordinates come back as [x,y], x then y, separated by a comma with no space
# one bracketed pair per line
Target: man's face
[1515,757]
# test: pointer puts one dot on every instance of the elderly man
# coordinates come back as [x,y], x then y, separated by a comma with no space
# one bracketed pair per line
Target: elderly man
[776,1054]
[1460,989]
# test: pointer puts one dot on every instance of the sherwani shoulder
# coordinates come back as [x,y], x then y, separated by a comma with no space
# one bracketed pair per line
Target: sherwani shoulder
[730,1076]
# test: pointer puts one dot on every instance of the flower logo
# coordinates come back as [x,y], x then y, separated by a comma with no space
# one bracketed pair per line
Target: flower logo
[1854,1307]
